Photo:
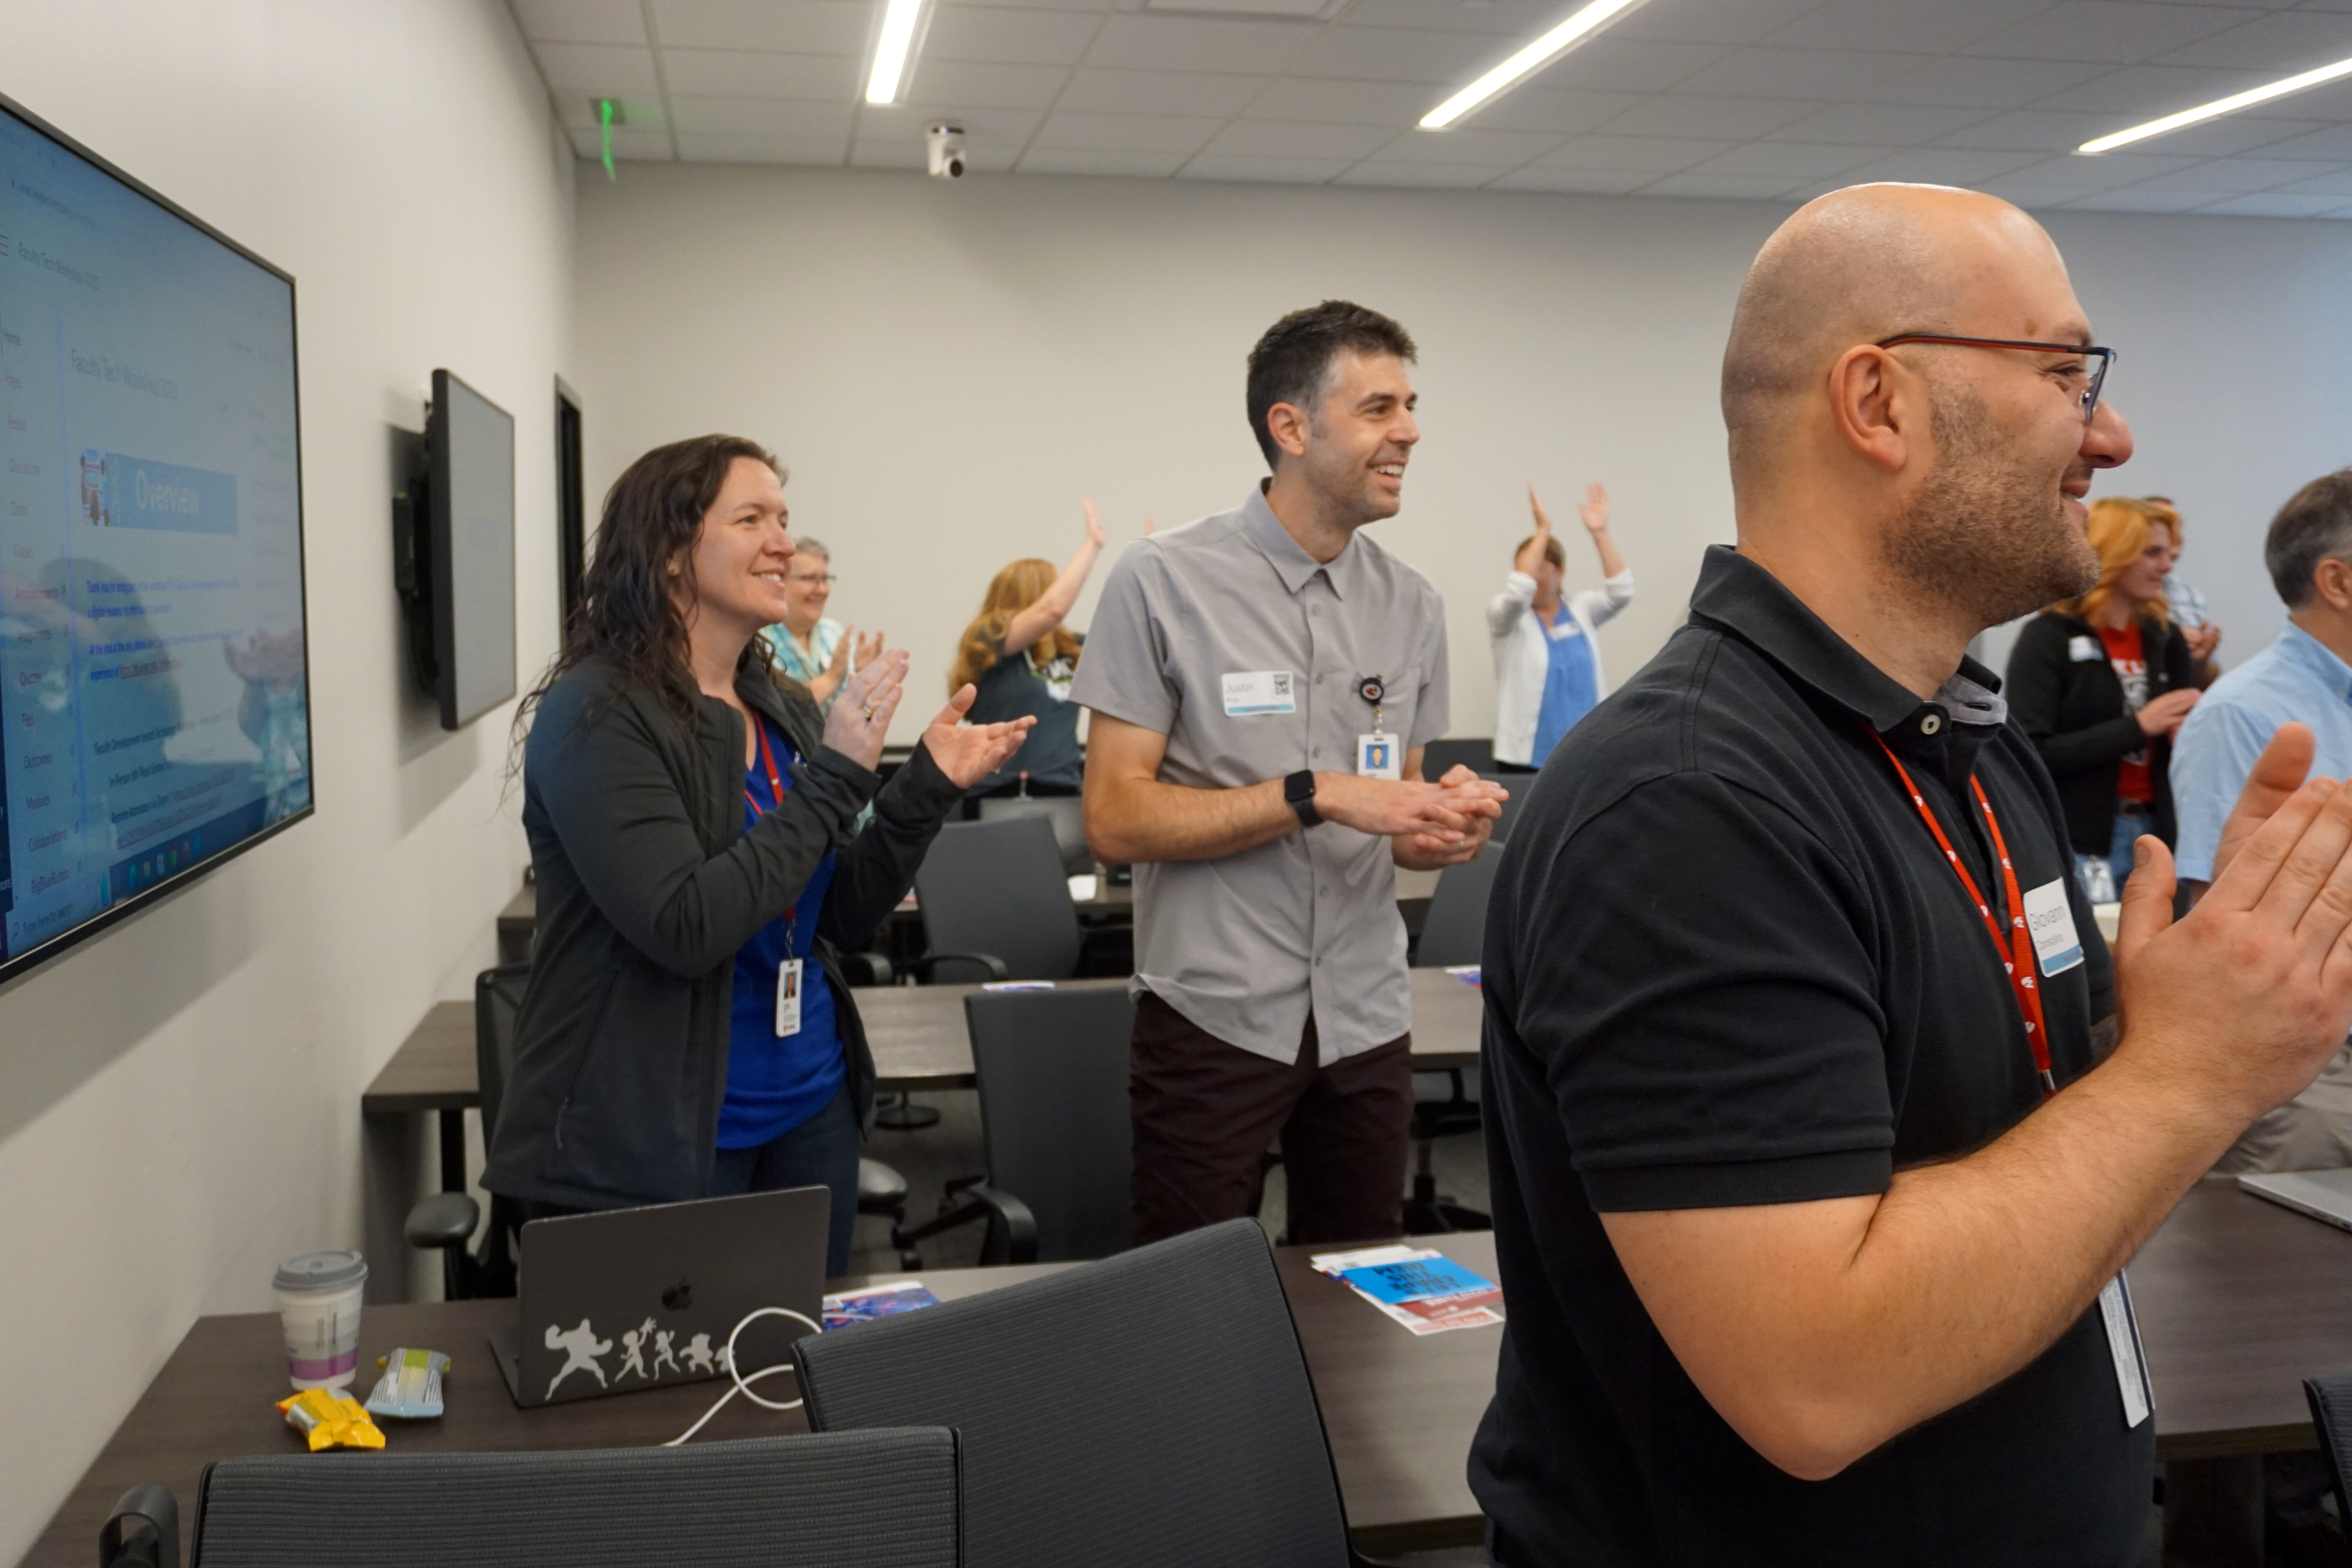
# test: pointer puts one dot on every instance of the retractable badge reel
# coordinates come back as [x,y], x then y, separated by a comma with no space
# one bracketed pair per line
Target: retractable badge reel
[1377,755]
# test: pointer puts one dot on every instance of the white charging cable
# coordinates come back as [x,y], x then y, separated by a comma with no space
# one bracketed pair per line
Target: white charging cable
[743,1385]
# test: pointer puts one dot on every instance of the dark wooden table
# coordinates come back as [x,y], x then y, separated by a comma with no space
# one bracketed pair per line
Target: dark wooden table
[2239,1301]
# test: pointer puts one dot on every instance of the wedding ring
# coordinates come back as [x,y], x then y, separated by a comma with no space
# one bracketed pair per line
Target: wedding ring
[868,712]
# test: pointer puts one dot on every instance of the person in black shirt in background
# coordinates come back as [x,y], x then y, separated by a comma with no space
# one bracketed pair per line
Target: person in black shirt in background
[1807,1260]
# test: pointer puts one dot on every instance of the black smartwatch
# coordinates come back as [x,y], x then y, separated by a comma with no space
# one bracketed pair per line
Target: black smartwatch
[1299,789]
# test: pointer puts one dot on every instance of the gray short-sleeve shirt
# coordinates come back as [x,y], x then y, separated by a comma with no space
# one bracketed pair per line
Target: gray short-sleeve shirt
[1244,946]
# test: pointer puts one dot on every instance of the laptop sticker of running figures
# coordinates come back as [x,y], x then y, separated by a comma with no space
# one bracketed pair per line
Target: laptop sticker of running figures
[663,1355]
[633,1342]
[581,1347]
[697,1354]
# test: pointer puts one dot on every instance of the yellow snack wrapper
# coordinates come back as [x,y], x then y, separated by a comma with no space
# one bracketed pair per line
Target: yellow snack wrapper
[330,1420]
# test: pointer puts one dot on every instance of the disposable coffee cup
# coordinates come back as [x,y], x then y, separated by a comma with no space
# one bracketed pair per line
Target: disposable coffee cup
[319,1304]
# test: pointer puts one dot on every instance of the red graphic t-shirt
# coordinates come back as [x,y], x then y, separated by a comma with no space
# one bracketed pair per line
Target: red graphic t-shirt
[2130,662]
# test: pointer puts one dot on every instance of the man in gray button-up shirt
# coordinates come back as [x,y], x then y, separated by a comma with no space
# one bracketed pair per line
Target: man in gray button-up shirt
[1263,682]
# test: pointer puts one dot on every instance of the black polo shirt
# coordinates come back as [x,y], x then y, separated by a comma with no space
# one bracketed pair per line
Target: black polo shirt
[1726,963]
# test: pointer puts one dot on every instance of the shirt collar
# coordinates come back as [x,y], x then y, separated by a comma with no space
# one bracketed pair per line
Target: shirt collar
[1291,562]
[2317,659]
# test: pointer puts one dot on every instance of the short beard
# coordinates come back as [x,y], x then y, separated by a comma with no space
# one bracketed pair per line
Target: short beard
[1983,533]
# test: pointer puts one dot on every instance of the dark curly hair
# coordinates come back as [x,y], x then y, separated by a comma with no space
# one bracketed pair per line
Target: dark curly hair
[652,515]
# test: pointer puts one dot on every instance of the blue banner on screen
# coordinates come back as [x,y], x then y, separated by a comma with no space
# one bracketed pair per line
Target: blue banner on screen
[154,703]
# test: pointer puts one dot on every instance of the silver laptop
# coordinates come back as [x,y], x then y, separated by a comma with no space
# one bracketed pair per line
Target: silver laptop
[632,1299]
[2322,1194]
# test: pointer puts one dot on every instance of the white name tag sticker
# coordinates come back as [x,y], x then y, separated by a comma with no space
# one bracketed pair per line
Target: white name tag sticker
[787,998]
[2123,1344]
[2050,921]
[1380,757]
[2084,651]
[1260,691]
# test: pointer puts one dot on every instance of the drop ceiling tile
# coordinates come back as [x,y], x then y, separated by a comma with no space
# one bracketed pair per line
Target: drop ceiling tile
[1933,26]
[1160,92]
[1722,187]
[1009,37]
[1652,154]
[582,21]
[769,117]
[781,26]
[597,68]
[578,111]
[1563,114]
[747,73]
[1299,139]
[1690,115]
[2275,203]
[1178,133]
[2137,199]
[1400,54]
[1968,83]
[1199,44]
[901,125]
[2279,44]
[1940,167]
[1422,176]
[2137,93]
[1096,161]
[815,150]
[629,146]
[1504,149]
[2231,174]
[1880,124]
[2335,182]
[1347,102]
[2322,146]
[1277,171]
[1706,21]
[2332,103]
[890,153]
[1577,181]
[1096,6]
[2031,131]
[2235,134]
[2082,176]
[1500,18]
[1629,65]
[1823,74]
[1791,160]
[2119,32]
[981,86]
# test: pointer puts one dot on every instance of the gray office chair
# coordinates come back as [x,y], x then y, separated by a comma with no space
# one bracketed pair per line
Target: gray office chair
[2331,1417]
[876,1498]
[1477,756]
[446,1222]
[997,889]
[1445,1102]
[1051,1070]
[1151,1410]
[1065,814]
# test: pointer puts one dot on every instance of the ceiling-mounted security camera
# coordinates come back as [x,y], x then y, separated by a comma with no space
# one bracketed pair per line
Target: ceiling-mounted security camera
[943,147]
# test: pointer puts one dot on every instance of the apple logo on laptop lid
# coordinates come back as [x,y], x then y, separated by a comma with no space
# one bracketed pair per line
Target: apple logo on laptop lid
[679,1297]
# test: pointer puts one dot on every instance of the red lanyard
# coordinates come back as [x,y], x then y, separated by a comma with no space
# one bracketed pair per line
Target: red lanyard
[775,792]
[2018,946]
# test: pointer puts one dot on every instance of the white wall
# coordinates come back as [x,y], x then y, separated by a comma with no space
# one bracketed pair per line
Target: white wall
[179,1099]
[948,368]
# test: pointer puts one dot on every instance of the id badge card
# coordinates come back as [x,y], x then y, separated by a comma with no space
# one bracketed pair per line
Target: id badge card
[2123,1345]
[1380,757]
[787,998]
[2050,919]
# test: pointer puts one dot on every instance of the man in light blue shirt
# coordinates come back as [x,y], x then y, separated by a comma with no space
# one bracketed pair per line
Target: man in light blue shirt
[2305,678]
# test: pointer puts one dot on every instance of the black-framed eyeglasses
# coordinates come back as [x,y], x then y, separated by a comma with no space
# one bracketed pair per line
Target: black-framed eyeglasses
[2089,394]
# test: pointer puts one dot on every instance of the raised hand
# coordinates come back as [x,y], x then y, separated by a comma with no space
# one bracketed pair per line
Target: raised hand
[1094,525]
[869,649]
[1595,510]
[968,753]
[861,716]
[2204,641]
[837,666]
[1147,526]
[1532,555]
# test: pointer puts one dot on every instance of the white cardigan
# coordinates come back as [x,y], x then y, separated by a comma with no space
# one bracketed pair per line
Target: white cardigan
[1522,657]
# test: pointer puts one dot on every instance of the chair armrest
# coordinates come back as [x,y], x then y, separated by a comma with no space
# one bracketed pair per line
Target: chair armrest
[867,968]
[987,960]
[1012,1234]
[444,1220]
[143,1530]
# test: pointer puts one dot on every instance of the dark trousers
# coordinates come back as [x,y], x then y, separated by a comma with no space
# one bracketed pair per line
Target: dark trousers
[1205,1113]
[820,1152]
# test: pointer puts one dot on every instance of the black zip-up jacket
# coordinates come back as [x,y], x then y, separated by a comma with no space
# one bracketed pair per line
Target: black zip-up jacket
[2074,711]
[647,885]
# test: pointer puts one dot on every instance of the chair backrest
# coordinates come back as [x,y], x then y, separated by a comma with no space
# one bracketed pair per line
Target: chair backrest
[1151,1410]
[846,1500]
[1477,756]
[2331,1417]
[1052,1069]
[1065,814]
[998,888]
[1456,930]
[498,997]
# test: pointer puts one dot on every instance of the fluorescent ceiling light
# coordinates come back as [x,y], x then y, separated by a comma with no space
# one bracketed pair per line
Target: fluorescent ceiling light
[1527,61]
[890,51]
[2219,106]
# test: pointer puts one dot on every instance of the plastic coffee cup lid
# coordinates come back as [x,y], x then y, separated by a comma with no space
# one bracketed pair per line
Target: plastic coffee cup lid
[320,1271]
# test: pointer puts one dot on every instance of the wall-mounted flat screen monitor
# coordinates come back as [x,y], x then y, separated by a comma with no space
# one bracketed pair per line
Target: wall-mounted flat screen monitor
[470,495]
[154,672]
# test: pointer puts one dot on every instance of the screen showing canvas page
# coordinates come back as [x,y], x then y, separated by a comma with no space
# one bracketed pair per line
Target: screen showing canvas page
[154,684]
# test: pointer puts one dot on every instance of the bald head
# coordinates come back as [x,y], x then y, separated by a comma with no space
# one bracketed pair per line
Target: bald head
[1854,266]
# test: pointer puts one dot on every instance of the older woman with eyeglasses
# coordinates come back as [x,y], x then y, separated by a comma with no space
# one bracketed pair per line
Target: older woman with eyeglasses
[811,646]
